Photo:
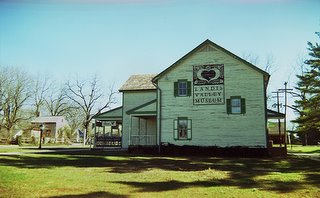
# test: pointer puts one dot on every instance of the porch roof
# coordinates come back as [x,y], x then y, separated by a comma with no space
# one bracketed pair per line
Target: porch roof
[148,108]
[274,115]
[113,114]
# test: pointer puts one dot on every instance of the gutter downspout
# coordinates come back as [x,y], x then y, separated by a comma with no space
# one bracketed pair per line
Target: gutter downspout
[158,113]
[265,84]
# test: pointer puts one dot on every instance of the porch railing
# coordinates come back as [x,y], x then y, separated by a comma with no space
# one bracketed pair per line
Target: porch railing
[107,141]
[143,140]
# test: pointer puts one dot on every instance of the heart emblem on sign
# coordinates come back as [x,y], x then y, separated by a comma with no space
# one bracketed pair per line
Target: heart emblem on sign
[208,74]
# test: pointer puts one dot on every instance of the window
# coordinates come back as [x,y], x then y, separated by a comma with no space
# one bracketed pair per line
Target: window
[236,105]
[182,129]
[182,88]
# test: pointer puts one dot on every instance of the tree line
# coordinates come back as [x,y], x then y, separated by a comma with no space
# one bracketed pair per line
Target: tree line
[24,97]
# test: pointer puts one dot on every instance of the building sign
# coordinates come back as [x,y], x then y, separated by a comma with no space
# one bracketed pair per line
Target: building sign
[208,84]
[109,123]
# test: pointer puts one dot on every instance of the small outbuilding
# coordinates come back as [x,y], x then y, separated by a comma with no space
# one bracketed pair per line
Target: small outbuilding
[52,125]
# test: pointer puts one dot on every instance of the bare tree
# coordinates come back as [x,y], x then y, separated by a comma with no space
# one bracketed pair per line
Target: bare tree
[87,95]
[253,59]
[75,119]
[15,93]
[269,64]
[41,87]
[2,85]
[57,103]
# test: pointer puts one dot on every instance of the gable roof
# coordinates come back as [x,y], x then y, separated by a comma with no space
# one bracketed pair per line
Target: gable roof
[208,42]
[139,82]
[113,114]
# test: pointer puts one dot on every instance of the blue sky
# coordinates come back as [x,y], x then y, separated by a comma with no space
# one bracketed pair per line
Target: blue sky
[116,39]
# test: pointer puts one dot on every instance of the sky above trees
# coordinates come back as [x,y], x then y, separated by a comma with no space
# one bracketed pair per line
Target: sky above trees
[115,39]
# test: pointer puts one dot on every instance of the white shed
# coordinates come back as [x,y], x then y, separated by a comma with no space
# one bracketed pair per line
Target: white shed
[52,125]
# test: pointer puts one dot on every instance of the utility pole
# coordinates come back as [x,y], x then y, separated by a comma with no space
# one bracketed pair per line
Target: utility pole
[279,122]
[285,90]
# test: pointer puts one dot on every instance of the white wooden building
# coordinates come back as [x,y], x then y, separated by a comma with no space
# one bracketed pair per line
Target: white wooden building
[209,98]
[52,125]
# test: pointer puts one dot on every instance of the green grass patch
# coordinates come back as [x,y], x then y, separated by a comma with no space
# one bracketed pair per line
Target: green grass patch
[35,148]
[15,149]
[304,149]
[87,173]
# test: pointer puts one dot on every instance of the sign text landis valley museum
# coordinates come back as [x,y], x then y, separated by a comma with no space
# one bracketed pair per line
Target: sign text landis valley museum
[208,84]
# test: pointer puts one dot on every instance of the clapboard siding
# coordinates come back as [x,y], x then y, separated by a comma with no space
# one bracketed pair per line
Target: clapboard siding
[132,99]
[211,125]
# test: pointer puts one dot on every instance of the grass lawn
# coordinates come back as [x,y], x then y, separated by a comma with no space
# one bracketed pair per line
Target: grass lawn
[74,173]
[304,149]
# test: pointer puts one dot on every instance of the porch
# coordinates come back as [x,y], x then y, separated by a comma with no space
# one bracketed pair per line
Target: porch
[108,129]
[143,125]
[276,134]
[143,131]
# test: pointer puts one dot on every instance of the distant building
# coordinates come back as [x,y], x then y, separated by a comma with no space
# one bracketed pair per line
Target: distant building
[52,125]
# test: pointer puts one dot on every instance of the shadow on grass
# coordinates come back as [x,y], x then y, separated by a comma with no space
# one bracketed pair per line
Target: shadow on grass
[242,172]
[93,194]
[278,186]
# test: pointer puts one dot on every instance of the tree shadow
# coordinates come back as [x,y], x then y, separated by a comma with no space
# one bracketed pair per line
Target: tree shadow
[242,172]
[277,186]
[92,194]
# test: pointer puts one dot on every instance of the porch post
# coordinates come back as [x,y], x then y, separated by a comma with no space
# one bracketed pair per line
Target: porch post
[55,134]
[147,138]
[139,127]
[130,127]
[104,135]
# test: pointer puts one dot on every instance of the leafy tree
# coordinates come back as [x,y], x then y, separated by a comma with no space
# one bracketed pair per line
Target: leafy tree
[308,105]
